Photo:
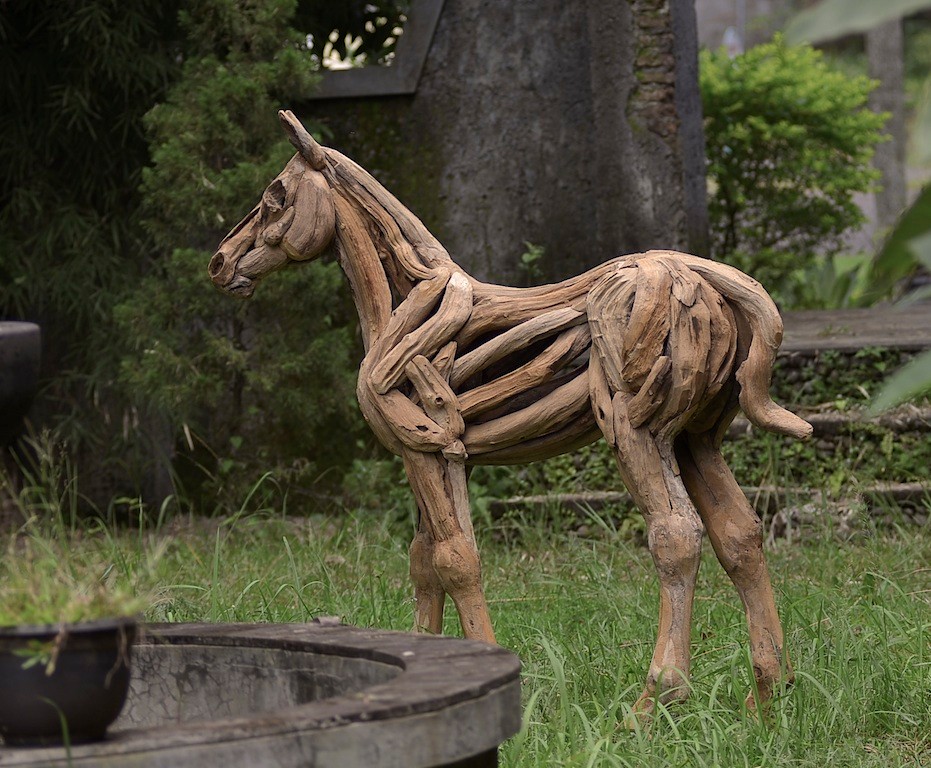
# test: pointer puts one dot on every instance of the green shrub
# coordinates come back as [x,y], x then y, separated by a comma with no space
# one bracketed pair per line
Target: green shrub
[789,143]
[266,385]
[244,388]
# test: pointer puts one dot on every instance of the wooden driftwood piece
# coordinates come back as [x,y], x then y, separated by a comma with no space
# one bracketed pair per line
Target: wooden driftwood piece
[514,340]
[656,352]
[451,315]
[540,369]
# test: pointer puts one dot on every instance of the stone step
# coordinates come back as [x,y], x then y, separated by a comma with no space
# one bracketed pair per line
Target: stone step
[905,327]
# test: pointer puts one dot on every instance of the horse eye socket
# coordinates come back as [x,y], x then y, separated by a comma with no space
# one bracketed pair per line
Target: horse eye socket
[275,232]
[274,196]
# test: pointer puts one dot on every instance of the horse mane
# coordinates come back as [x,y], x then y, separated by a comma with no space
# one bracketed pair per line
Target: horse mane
[409,244]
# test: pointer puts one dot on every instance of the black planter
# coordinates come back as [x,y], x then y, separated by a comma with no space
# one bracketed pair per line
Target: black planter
[87,688]
[20,348]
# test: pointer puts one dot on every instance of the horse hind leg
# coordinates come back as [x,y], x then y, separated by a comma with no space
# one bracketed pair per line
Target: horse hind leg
[648,468]
[444,555]
[736,534]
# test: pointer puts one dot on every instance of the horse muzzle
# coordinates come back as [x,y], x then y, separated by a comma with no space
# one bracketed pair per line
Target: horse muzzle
[223,264]
[224,274]
[241,287]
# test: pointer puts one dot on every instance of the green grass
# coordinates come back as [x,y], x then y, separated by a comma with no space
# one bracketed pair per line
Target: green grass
[581,613]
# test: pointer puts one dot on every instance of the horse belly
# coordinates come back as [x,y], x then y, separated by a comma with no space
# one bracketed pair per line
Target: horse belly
[560,419]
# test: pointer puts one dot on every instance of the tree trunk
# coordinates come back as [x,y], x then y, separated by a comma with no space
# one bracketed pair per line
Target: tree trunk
[884,48]
[574,126]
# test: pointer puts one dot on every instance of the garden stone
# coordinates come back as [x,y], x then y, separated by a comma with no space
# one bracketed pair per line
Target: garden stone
[303,696]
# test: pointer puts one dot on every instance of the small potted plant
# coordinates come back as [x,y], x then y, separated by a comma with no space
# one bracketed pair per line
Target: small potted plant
[66,631]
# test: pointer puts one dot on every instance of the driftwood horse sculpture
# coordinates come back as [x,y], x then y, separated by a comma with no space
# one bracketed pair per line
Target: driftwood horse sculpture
[655,352]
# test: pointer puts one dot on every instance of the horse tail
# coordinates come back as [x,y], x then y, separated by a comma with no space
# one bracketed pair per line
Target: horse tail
[757,315]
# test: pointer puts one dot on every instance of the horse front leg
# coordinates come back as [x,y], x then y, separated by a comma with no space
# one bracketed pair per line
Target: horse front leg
[424,427]
[439,486]
[429,596]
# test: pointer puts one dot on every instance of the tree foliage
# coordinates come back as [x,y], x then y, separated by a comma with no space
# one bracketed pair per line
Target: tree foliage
[257,387]
[909,244]
[252,386]
[215,139]
[133,135]
[789,145]
[76,80]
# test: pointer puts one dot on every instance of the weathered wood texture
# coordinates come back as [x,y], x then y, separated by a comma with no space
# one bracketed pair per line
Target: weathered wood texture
[808,334]
[655,351]
[768,501]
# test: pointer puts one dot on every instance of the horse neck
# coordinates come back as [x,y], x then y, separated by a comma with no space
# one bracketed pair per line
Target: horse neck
[382,247]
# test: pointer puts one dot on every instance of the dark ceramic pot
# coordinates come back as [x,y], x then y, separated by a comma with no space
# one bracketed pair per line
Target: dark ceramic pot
[20,347]
[87,688]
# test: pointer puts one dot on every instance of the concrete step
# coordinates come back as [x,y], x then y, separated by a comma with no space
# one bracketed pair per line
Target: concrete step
[904,327]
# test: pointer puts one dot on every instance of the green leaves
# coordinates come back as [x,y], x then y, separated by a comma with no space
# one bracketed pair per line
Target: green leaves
[216,140]
[911,380]
[789,144]
[909,239]
[266,384]
[909,242]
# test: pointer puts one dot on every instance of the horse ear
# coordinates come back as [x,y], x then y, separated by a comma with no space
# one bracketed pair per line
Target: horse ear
[303,142]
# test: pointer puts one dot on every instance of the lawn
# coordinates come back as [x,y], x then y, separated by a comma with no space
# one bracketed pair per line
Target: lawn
[580,610]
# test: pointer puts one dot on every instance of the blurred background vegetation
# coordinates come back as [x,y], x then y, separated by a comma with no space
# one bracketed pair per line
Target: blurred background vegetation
[789,142]
[133,135]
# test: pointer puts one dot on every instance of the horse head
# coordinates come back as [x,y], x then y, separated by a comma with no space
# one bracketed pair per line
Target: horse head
[294,221]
